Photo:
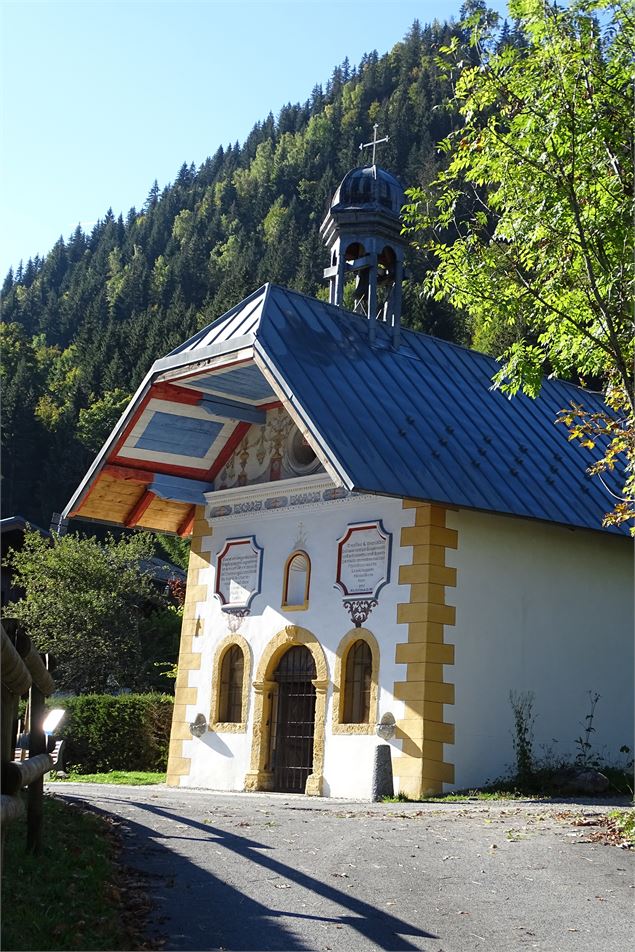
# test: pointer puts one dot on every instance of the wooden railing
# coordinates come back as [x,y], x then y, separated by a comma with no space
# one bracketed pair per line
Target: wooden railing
[23,671]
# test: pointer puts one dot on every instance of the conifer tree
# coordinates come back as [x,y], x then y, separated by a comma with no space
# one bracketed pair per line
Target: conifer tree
[138,284]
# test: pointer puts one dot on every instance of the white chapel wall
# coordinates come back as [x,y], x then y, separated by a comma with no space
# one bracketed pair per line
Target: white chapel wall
[220,760]
[545,609]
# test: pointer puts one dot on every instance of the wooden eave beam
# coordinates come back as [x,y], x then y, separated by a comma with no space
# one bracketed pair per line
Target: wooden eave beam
[187,525]
[174,393]
[177,489]
[137,511]
[128,472]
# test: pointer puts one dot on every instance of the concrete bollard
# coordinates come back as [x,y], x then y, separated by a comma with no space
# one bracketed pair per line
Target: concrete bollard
[382,785]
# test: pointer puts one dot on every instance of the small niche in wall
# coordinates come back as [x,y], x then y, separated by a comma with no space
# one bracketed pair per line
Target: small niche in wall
[296,581]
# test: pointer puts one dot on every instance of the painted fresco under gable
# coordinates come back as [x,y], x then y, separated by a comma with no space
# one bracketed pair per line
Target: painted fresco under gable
[264,455]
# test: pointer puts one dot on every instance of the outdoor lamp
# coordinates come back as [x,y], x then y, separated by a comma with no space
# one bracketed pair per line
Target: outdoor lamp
[52,719]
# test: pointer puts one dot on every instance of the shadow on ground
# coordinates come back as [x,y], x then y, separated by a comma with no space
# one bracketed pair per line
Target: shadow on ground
[197,910]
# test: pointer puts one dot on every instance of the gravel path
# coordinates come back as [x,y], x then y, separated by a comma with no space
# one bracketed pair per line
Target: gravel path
[270,871]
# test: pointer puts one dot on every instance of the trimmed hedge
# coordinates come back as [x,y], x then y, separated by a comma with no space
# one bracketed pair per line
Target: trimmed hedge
[116,732]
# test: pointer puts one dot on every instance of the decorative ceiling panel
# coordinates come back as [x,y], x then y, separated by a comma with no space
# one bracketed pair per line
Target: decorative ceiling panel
[179,434]
[243,383]
[176,434]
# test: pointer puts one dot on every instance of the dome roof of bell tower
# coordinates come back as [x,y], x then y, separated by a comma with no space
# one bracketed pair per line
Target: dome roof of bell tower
[371,185]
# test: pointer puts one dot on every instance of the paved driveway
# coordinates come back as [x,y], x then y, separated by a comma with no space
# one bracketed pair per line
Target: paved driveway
[268,871]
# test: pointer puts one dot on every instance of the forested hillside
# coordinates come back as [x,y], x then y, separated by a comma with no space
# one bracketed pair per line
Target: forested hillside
[82,326]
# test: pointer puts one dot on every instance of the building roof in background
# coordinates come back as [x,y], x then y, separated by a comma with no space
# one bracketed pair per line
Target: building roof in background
[421,421]
[163,571]
[19,524]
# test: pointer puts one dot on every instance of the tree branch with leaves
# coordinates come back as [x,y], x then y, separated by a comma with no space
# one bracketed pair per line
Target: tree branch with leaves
[529,227]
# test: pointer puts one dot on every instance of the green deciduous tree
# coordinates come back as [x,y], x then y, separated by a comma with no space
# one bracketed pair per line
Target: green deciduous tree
[88,604]
[96,421]
[175,548]
[530,225]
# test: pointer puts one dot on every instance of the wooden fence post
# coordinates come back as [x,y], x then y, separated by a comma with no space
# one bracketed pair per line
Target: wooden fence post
[37,745]
[22,667]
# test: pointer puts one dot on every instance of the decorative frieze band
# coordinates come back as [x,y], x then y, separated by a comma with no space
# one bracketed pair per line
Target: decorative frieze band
[268,499]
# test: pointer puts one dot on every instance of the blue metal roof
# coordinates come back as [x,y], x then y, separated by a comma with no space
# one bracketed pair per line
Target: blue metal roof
[423,421]
[239,321]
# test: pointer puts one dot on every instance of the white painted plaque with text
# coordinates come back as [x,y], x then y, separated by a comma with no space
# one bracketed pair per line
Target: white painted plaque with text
[363,560]
[238,572]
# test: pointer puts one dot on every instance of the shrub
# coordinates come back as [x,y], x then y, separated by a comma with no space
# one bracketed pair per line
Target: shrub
[522,706]
[122,732]
[555,775]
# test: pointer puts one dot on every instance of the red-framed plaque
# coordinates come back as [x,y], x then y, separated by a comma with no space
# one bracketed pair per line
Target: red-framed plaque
[238,572]
[363,560]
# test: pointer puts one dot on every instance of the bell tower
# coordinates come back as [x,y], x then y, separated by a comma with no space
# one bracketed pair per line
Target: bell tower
[362,231]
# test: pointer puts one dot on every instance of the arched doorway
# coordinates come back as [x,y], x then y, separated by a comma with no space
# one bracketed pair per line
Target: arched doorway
[293,720]
[260,774]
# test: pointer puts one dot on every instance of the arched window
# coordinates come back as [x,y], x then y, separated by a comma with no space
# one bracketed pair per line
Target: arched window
[357,680]
[230,703]
[297,578]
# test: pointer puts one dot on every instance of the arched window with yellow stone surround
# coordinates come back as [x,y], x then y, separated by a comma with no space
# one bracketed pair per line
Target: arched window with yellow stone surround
[230,695]
[296,581]
[357,681]
[230,685]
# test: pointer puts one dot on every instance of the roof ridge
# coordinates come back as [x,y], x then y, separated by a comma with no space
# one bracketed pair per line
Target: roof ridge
[226,315]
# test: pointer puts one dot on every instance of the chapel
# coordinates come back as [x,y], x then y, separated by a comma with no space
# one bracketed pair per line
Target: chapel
[380,541]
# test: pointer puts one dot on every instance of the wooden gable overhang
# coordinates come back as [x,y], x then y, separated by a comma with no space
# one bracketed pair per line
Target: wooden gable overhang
[187,418]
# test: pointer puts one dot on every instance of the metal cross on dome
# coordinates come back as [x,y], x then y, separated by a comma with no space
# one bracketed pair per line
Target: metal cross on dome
[374,143]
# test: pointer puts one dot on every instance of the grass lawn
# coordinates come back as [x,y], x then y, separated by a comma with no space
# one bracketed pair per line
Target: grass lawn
[462,797]
[67,897]
[623,822]
[134,778]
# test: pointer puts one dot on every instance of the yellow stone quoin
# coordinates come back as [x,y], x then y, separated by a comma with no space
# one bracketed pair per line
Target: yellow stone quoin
[422,767]
[189,660]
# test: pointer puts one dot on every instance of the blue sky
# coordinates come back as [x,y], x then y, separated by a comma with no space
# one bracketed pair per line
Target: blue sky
[101,97]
